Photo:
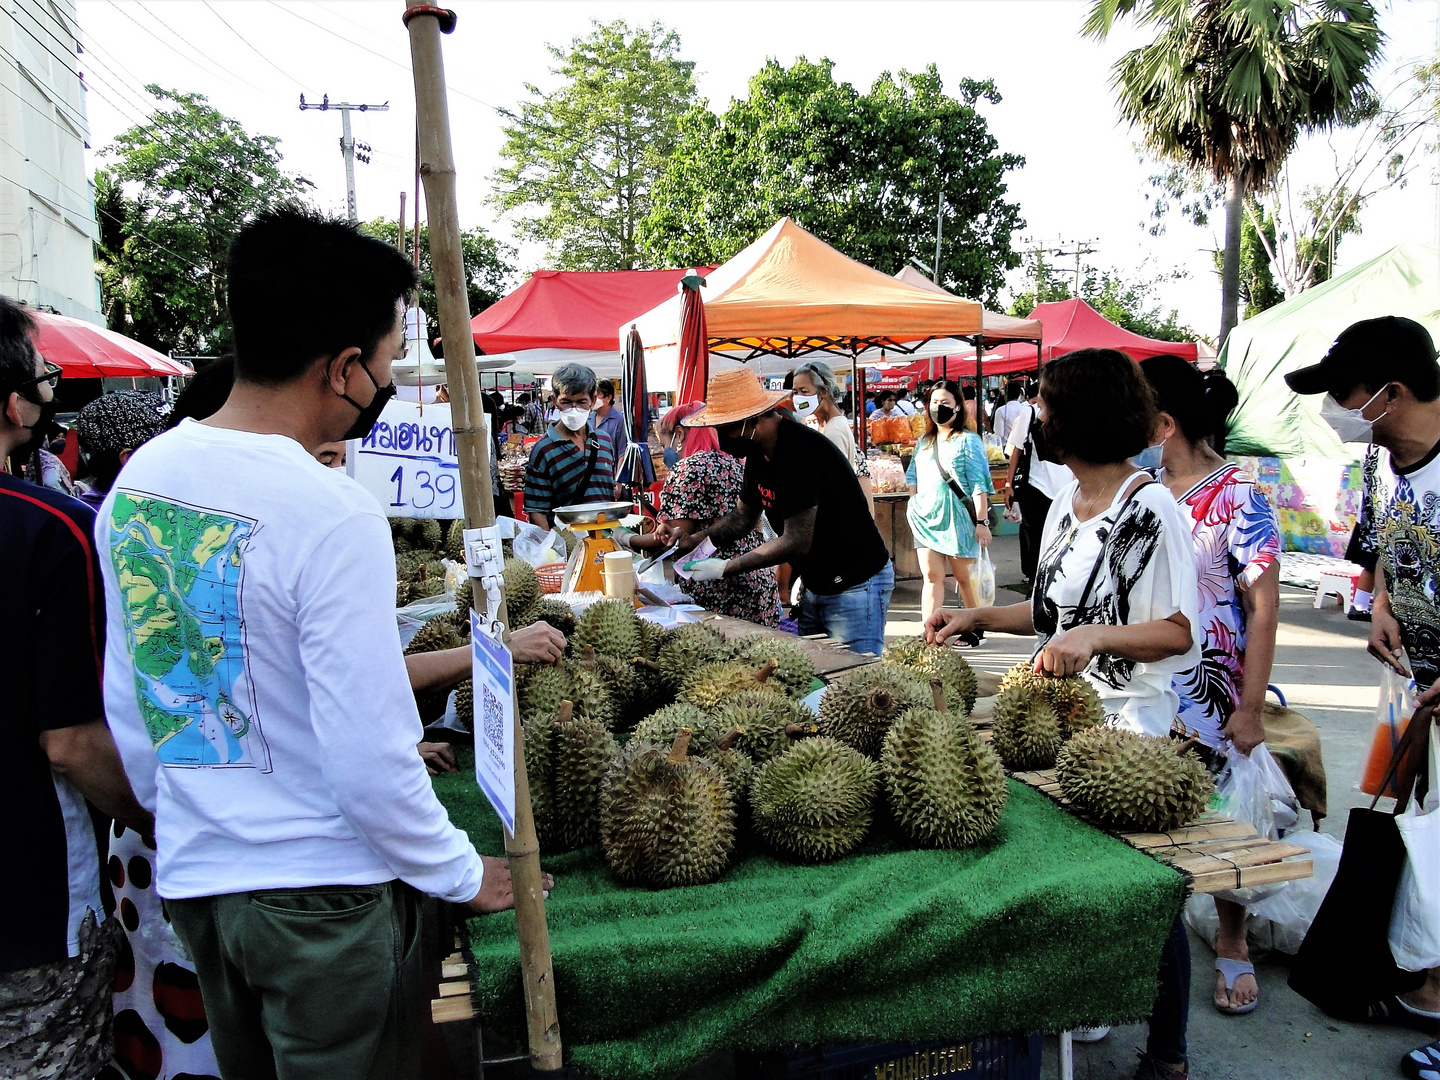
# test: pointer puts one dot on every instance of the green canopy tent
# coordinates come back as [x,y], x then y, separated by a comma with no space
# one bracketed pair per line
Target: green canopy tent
[1270,419]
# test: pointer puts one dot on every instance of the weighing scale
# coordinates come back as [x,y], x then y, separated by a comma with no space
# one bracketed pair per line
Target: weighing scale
[594,523]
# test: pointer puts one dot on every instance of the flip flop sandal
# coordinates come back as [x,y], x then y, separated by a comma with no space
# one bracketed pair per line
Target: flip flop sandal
[1394,1011]
[1232,970]
[1422,1064]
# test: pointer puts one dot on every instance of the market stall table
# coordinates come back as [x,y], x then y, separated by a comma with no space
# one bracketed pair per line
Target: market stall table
[894,526]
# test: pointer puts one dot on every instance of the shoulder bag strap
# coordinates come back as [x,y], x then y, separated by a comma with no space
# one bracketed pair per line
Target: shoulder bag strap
[954,485]
[1105,545]
[577,494]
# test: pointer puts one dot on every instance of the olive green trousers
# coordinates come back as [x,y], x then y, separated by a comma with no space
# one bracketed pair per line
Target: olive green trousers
[319,983]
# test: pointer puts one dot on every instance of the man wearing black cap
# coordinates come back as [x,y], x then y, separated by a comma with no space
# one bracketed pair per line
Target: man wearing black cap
[1382,386]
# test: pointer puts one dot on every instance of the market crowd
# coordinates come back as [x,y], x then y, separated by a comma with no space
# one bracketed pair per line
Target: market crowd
[207,695]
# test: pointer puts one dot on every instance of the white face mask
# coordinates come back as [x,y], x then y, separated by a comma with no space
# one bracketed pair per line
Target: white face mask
[574,419]
[806,404]
[1350,424]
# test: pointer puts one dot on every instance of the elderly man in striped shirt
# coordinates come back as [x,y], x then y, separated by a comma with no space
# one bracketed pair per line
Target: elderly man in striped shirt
[572,462]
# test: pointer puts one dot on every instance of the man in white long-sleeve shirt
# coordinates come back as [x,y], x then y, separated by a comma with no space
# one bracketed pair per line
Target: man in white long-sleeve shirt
[255,684]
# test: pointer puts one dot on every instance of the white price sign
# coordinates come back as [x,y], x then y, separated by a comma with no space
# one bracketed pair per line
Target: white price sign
[494,675]
[408,461]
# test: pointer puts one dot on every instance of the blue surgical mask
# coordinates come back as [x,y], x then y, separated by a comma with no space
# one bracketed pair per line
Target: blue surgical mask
[671,456]
[1150,457]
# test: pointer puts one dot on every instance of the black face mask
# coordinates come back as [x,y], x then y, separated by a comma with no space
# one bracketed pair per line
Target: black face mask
[942,414]
[42,427]
[369,413]
[734,445]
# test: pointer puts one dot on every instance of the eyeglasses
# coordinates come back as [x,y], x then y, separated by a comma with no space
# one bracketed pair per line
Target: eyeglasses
[51,376]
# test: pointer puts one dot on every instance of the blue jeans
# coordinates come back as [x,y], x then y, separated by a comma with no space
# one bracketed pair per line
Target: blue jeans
[1172,1007]
[855,617]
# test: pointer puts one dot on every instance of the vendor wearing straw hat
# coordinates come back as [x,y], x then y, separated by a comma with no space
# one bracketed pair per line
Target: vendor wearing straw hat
[813,501]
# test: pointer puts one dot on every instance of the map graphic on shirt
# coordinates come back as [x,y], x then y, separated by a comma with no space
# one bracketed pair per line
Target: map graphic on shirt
[179,569]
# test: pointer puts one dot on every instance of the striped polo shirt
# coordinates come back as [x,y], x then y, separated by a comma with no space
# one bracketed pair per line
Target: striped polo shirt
[552,478]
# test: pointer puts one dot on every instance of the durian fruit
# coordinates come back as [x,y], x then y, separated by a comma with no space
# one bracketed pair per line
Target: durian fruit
[574,681]
[666,818]
[859,707]
[1027,733]
[794,670]
[431,535]
[568,762]
[652,689]
[1132,783]
[652,636]
[558,614]
[709,686]
[455,541]
[465,704]
[1075,701]
[734,763]
[623,681]
[609,627]
[429,579]
[662,725]
[571,542]
[686,648]
[813,801]
[928,661]
[946,787]
[522,593]
[435,634]
[768,721]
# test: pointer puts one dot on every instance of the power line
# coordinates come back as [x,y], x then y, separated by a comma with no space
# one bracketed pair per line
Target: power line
[188,59]
[189,45]
[252,48]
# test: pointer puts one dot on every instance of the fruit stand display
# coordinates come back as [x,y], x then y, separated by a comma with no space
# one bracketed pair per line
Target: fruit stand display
[736,871]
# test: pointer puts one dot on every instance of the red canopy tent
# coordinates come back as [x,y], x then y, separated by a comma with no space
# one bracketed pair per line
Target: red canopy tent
[1074,324]
[86,351]
[572,311]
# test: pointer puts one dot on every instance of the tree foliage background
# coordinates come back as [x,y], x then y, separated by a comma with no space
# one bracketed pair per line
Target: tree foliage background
[862,171]
[1128,300]
[174,193]
[489,266]
[581,158]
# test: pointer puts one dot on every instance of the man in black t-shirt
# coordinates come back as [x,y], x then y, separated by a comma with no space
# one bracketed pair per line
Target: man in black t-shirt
[809,493]
[57,759]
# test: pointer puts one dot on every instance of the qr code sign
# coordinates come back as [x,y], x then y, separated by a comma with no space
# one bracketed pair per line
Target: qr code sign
[492,722]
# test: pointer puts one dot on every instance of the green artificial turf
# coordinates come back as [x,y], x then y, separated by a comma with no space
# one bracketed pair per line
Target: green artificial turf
[1051,924]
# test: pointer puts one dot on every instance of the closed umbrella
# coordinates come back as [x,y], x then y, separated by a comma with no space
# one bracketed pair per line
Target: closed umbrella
[694,371]
[86,351]
[637,470]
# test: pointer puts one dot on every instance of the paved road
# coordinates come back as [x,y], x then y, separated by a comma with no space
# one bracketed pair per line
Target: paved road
[1323,670]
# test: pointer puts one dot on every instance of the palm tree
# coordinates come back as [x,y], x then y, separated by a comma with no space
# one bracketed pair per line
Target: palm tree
[1228,87]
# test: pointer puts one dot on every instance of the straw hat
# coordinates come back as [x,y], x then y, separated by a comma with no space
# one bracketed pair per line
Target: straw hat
[735,394]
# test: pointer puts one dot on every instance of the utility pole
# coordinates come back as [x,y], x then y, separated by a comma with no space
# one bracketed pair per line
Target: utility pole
[939,226]
[348,146]
[1060,249]
[425,23]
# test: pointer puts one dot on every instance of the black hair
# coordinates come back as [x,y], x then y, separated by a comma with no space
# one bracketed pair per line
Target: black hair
[104,466]
[303,286]
[606,387]
[1013,389]
[932,429]
[207,390]
[1200,404]
[17,347]
[969,391]
[1098,406]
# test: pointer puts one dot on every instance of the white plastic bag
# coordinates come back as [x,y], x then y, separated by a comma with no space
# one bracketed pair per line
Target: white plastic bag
[1252,788]
[982,577]
[1279,921]
[1415,918]
[536,546]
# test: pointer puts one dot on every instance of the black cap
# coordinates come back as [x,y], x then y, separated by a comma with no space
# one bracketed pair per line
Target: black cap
[1372,352]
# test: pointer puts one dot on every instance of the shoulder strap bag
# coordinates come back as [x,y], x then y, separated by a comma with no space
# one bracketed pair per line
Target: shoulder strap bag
[1105,545]
[577,493]
[967,501]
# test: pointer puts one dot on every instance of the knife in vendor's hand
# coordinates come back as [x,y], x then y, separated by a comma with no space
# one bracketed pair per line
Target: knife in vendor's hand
[663,555]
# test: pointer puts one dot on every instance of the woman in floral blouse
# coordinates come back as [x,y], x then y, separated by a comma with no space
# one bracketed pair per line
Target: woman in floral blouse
[703,485]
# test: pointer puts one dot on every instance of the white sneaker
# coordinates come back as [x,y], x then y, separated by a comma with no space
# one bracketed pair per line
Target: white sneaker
[1090,1035]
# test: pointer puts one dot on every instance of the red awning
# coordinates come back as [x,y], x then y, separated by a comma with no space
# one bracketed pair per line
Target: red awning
[563,309]
[1074,324]
[86,351]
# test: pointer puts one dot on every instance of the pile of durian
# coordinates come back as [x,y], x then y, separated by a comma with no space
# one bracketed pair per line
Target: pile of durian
[420,545]
[1124,781]
[713,741]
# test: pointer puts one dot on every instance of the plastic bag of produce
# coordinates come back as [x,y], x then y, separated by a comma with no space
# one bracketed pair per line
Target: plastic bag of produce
[1252,788]
[982,576]
[536,546]
[1392,716]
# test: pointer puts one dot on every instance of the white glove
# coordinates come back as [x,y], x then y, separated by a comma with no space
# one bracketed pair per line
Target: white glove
[706,569]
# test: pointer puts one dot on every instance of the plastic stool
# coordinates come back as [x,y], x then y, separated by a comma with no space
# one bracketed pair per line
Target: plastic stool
[1337,585]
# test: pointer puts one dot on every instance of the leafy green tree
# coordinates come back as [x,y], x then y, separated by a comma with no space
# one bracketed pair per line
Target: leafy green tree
[581,158]
[1228,86]
[1130,302]
[863,171]
[489,266]
[174,194]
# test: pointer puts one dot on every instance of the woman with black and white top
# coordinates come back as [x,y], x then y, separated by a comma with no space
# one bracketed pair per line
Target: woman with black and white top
[1115,597]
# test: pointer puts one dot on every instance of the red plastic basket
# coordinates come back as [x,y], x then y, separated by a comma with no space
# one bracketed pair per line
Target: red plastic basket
[551,575]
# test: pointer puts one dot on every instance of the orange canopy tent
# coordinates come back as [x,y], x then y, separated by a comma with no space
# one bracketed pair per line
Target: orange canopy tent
[790,294]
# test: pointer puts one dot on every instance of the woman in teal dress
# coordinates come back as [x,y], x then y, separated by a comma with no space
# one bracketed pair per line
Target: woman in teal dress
[940,522]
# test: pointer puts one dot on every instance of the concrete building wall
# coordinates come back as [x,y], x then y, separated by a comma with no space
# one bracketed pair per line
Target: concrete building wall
[47,210]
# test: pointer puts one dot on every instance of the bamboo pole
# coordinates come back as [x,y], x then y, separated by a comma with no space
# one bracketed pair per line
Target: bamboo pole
[437,169]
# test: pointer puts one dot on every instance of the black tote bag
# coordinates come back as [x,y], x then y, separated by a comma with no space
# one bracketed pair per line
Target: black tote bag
[1344,964]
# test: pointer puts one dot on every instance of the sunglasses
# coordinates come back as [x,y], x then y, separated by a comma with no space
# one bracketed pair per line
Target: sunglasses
[51,376]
